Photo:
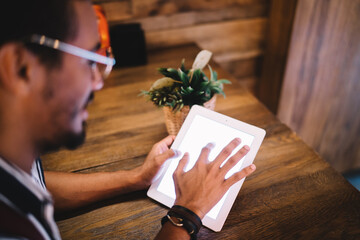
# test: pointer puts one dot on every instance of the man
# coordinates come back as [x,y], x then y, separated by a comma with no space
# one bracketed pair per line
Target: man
[48,73]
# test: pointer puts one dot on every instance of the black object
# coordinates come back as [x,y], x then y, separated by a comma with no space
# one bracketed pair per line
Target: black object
[186,219]
[128,44]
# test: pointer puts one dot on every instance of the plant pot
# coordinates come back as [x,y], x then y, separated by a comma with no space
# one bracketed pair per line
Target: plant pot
[174,120]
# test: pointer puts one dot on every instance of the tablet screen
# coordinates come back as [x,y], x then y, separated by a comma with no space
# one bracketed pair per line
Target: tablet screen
[201,132]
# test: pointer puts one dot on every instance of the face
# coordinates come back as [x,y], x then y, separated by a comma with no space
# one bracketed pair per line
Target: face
[61,107]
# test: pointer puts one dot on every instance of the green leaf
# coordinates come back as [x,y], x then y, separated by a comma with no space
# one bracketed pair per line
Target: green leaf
[224,81]
[170,72]
[211,74]
[183,78]
[182,67]
[204,85]
[208,92]
[144,93]
[197,79]
[190,87]
[215,76]
[219,91]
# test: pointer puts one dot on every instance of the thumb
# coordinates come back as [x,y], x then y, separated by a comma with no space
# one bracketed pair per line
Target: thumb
[161,158]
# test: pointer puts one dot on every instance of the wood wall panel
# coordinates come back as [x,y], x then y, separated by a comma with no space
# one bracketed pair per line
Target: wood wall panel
[277,42]
[143,8]
[190,18]
[246,70]
[117,11]
[237,35]
[320,99]
[234,29]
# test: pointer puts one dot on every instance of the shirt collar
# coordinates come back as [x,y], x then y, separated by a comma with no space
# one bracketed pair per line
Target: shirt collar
[26,180]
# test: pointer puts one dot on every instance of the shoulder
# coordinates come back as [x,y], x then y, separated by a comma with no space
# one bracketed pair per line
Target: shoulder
[14,225]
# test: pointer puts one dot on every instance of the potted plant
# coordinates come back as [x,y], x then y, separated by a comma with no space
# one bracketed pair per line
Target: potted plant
[182,88]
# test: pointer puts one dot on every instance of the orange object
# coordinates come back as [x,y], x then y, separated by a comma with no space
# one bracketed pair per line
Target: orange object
[103,27]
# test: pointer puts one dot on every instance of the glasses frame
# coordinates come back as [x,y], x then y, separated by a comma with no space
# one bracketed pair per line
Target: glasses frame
[73,50]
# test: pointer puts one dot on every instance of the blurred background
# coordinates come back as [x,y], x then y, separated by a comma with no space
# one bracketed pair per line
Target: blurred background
[301,58]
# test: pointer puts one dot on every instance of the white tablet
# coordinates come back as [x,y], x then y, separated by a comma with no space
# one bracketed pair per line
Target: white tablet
[201,127]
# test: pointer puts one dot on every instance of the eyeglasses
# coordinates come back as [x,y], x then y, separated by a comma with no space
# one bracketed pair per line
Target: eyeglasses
[100,58]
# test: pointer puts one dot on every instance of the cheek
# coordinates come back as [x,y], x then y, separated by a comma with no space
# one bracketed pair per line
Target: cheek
[78,77]
[75,81]
[69,93]
[61,115]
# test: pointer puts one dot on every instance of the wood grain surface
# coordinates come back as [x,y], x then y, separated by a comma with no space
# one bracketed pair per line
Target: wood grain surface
[320,99]
[234,30]
[292,194]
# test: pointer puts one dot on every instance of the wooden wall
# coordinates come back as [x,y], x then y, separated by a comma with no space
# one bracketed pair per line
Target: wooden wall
[234,30]
[320,98]
[280,24]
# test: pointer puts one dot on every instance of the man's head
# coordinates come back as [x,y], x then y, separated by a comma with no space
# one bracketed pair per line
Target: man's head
[54,19]
[44,92]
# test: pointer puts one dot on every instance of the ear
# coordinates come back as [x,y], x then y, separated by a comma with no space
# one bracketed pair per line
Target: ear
[16,67]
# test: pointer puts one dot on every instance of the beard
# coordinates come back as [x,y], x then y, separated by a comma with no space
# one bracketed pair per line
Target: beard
[68,140]
[72,141]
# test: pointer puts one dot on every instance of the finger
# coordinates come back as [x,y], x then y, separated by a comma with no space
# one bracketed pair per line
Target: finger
[161,158]
[225,153]
[177,189]
[182,163]
[164,144]
[235,159]
[168,140]
[240,175]
[204,155]
[178,171]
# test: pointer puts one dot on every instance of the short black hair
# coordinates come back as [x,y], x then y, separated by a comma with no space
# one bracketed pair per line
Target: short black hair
[19,19]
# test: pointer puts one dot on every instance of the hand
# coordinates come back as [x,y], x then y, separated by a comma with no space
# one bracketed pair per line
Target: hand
[204,185]
[158,154]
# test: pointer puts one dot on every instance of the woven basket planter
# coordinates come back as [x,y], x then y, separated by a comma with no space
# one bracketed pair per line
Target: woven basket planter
[174,120]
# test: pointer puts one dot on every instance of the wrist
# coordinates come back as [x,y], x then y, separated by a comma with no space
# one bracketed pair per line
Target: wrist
[180,216]
[128,180]
[140,180]
[193,207]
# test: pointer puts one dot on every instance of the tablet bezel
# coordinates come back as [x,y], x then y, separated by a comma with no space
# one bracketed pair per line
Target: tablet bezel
[258,133]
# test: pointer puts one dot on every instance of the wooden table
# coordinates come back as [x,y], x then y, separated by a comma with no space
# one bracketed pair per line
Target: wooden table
[292,194]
